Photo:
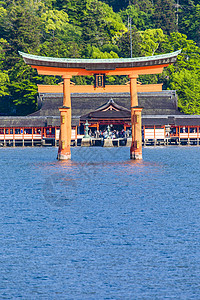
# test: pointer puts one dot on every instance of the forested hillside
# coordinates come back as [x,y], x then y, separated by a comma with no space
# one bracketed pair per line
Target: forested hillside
[97,29]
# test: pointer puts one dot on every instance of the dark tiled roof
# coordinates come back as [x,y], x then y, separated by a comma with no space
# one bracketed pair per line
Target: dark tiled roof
[177,120]
[155,120]
[29,121]
[189,120]
[155,103]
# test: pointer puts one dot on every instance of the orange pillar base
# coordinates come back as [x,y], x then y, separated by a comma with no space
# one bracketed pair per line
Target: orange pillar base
[134,154]
[136,145]
[63,155]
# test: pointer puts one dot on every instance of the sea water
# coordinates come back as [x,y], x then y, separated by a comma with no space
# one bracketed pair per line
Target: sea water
[100,226]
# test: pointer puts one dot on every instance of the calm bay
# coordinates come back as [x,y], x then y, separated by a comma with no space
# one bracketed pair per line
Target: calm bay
[100,226]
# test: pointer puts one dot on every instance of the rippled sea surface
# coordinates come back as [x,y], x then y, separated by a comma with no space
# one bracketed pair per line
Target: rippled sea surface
[100,226]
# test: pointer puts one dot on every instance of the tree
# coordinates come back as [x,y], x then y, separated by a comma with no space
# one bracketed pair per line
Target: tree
[116,4]
[164,15]
[23,88]
[24,96]
[54,20]
[151,40]
[140,19]
[190,56]
[101,25]
[186,83]
[189,22]
[183,76]
[97,53]
[58,48]
[21,28]
[125,41]
[76,9]
[4,78]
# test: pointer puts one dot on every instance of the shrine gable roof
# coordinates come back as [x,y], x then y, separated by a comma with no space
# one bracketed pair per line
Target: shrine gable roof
[109,110]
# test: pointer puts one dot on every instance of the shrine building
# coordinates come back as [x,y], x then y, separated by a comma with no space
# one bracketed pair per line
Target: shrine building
[162,122]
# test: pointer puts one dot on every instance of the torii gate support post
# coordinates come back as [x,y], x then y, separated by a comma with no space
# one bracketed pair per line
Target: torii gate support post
[64,152]
[136,120]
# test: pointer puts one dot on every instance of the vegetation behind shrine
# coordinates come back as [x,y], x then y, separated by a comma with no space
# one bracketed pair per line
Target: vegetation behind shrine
[97,29]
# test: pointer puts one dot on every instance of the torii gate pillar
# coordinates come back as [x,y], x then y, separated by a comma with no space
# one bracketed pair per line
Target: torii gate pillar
[136,120]
[64,152]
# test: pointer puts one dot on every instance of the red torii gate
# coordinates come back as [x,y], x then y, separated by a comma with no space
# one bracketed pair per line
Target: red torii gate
[68,67]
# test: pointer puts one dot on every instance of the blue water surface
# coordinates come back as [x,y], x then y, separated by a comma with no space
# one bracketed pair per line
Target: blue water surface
[100,226]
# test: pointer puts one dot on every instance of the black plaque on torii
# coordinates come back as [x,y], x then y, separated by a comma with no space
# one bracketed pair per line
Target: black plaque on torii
[99,80]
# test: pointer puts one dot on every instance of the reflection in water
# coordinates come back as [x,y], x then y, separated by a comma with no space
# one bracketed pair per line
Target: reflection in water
[65,179]
[59,189]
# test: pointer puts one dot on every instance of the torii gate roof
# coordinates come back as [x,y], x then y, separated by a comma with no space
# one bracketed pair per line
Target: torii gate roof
[117,66]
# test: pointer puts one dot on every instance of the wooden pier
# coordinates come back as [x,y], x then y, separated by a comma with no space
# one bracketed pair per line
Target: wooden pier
[98,142]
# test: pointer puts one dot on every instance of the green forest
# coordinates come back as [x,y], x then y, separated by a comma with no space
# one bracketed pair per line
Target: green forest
[97,29]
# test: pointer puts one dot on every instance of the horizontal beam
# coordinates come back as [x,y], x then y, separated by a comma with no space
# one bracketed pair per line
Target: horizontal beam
[90,88]
[81,72]
[138,71]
